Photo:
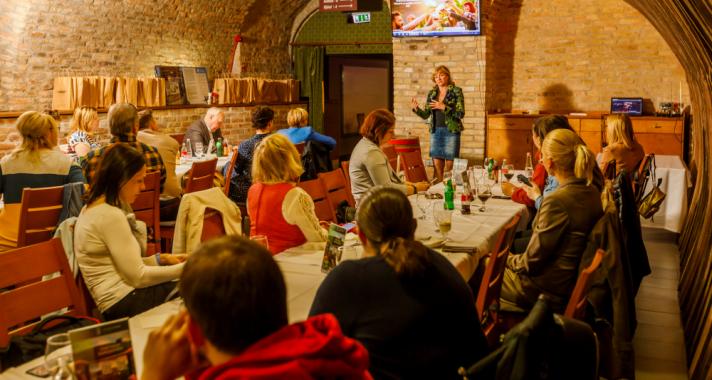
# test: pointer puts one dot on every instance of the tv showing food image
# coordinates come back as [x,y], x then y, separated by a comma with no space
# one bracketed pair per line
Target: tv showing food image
[422,18]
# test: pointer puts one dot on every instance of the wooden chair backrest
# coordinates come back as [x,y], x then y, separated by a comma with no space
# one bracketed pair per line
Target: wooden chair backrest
[322,207]
[414,166]
[201,177]
[213,226]
[336,188]
[347,175]
[491,285]
[147,205]
[643,176]
[390,152]
[228,173]
[32,298]
[178,137]
[300,147]
[39,213]
[576,308]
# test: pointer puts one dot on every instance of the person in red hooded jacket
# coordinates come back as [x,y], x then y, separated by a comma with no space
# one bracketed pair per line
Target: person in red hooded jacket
[235,325]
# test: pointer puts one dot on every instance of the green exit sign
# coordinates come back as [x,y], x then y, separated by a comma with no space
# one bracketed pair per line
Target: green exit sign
[361,17]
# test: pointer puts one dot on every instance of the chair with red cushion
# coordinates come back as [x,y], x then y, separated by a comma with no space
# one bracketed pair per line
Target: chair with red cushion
[39,213]
[322,206]
[414,167]
[147,209]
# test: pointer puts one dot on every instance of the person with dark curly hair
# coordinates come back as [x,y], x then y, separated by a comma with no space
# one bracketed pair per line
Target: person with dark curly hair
[241,180]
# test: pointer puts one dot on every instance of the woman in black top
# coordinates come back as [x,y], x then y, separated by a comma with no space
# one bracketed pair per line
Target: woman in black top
[404,302]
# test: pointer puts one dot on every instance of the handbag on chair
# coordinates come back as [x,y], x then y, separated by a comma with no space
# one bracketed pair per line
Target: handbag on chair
[650,203]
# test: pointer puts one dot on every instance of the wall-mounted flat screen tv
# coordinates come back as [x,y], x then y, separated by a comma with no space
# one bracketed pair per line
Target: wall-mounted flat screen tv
[426,18]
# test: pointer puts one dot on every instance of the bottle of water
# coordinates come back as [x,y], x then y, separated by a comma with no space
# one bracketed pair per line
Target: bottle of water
[528,167]
[211,146]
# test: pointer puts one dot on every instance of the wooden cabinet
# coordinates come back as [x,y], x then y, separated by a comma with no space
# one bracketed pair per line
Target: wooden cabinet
[509,135]
[510,138]
[662,136]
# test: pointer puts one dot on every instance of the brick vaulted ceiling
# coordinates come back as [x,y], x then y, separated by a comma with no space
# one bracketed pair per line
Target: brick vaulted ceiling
[687,28]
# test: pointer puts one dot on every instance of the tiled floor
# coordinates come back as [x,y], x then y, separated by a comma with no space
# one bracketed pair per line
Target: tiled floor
[659,344]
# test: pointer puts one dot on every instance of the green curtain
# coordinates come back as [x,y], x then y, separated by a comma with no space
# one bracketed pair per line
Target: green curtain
[309,70]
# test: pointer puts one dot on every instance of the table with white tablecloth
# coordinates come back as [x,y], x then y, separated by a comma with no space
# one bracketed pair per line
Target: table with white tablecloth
[676,182]
[184,167]
[301,267]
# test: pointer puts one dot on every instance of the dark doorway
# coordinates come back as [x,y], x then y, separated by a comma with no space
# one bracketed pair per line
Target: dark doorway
[355,85]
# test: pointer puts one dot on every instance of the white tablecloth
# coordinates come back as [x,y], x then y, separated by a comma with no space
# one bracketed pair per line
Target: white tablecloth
[183,168]
[676,181]
[301,267]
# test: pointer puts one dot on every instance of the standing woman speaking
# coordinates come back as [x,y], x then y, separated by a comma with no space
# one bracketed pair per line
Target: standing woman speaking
[445,106]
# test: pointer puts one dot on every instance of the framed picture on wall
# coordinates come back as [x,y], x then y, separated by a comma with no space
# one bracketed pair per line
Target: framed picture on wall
[425,18]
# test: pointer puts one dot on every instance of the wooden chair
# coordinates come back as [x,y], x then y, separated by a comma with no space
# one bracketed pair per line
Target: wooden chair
[414,167]
[336,188]
[147,208]
[322,207]
[487,302]
[178,137]
[29,300]
[39,213]
[576,308]
[390,152]
[212,225]
[201,176]
[300,147]
[228,173]
[347,175]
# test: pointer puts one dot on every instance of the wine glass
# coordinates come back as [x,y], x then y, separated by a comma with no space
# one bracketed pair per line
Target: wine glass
[484,192]
[54,352]
[260,239]
[199,152]
[422,201]
[443,219]
[508,172]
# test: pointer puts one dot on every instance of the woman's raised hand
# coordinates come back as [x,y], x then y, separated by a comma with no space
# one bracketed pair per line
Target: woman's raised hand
[414,103]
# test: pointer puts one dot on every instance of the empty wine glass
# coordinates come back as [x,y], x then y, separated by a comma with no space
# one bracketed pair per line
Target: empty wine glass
[484,192]
[54,352]
[422,201]
[199,151]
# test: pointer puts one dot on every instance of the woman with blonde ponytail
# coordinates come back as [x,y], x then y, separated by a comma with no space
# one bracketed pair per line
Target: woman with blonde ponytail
[404,302]
[561,227]
[36,162]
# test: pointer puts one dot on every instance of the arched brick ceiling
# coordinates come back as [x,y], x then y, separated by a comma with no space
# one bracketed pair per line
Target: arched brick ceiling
[687,28]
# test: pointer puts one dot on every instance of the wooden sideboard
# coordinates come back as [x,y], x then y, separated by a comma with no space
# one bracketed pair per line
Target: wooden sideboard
[510,135]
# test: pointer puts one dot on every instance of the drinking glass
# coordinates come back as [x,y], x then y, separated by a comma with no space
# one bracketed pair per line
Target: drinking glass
[484,192]
[422,201]
[260,239]
[443,219]
[54,351]
[199,152]
[508,172]
[346,253]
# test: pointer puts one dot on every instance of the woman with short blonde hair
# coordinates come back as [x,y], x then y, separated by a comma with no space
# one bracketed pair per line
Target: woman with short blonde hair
[561,227]
[622,145]
[299,132]
[81,141]
[35,163]
[278,209]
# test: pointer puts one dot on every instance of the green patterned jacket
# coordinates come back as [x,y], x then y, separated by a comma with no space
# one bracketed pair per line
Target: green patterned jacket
[454,108]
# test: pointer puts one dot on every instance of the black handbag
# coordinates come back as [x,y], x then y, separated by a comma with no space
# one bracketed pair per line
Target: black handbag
[32,345]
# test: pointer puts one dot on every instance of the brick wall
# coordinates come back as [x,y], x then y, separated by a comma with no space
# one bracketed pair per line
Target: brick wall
[574,55]
[238,125]
[413,63]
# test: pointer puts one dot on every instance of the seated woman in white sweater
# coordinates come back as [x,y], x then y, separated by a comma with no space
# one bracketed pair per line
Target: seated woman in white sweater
[121,282]
[278,208]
